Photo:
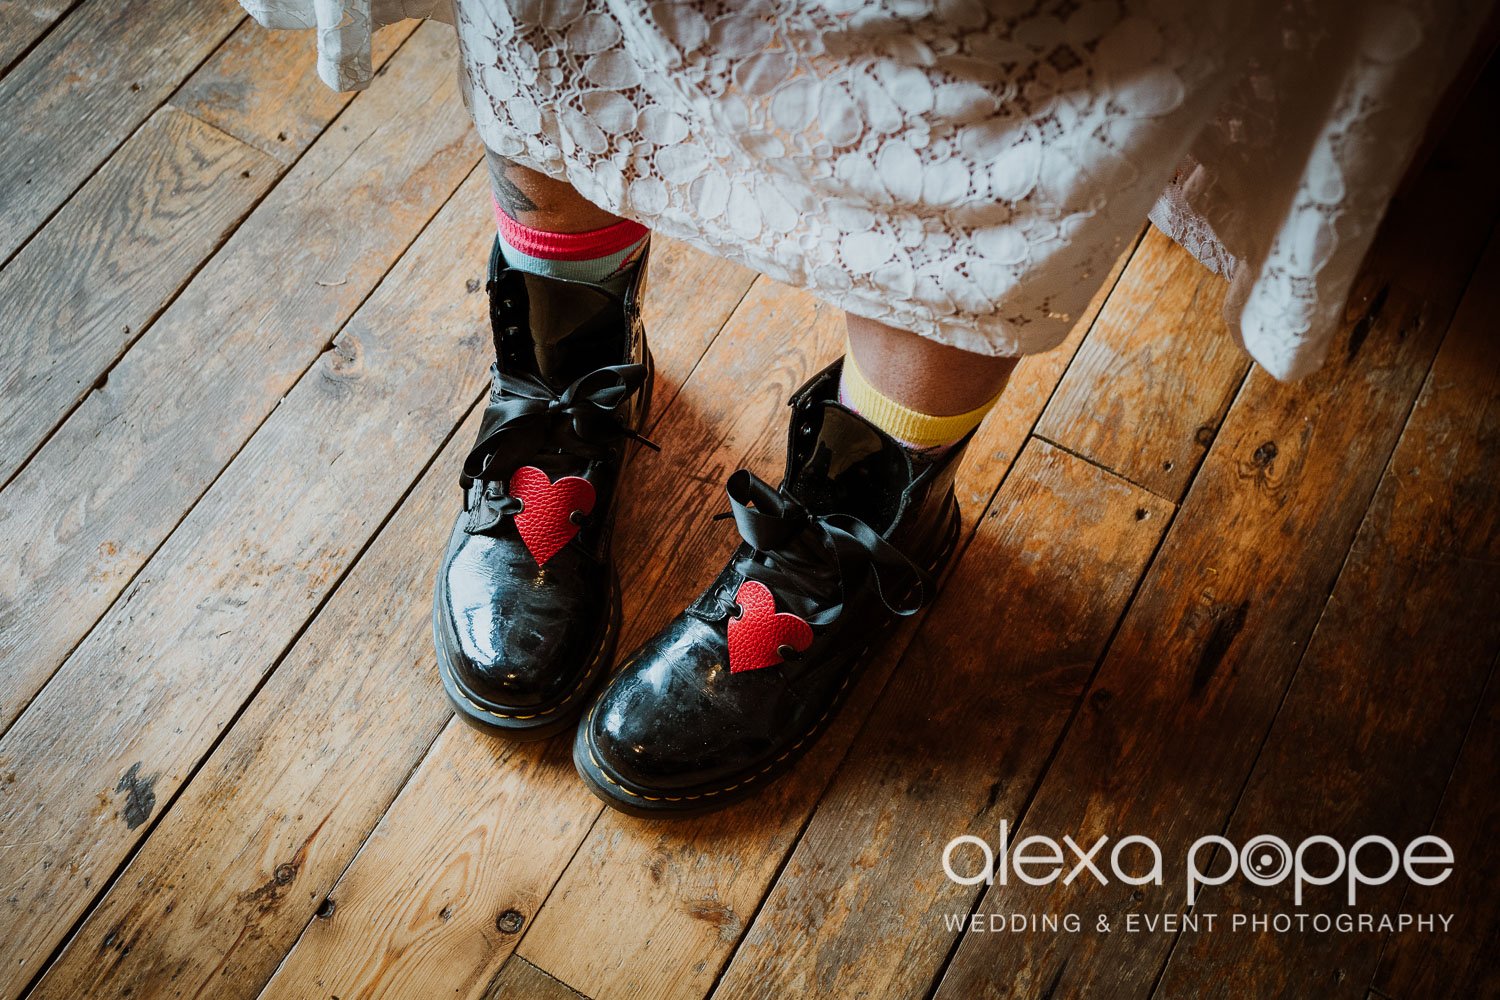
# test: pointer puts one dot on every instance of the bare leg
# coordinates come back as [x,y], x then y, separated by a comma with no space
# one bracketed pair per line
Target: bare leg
[539,202]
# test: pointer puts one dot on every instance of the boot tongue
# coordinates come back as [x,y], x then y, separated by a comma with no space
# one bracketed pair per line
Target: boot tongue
[571,329]
[558,331]
[839,463]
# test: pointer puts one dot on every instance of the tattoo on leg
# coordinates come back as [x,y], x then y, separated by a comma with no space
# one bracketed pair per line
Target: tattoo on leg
[512,199]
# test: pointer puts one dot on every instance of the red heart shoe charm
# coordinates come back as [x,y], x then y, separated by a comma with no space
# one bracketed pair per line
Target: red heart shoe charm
[757,635]
[546,519]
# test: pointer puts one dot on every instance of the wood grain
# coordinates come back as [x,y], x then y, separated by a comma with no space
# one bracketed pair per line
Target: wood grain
[80,292]
[86,512]
[1399,660]
[81,92]
[1460,963]
[959,737]
[687,298]
[1170,728]
[1032,387]
[435,903]
[262,87]
[291,784]
[140,702]
[22,22]
[1149,388]
[100,271]
[207,909]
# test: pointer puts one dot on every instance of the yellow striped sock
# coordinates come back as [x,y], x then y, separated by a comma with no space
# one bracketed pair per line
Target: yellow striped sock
[918,431]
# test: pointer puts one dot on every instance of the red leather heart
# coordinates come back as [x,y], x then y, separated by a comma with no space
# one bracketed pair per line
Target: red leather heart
[545,522]
[756,635]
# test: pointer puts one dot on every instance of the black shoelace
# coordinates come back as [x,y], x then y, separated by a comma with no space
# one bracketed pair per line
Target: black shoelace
[811,561]
[583,420]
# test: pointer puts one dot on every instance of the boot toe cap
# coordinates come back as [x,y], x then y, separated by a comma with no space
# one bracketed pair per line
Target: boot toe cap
[513,644]
[662,727]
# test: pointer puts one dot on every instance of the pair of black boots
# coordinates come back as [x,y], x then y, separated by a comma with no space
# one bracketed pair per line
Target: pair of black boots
[733,690]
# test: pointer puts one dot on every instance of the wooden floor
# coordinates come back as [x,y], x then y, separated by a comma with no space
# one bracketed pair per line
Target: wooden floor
[243,347]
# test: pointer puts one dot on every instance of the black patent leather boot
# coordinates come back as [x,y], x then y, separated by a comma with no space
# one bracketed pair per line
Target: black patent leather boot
[731,692]
[526,610]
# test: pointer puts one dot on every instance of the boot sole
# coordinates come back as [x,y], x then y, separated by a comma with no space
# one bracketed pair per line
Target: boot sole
[647,803]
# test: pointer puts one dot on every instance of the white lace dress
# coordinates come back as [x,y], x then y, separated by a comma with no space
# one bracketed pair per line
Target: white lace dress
[967,170]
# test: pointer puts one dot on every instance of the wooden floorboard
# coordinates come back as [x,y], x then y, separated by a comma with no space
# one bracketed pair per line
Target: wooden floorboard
[211,612]
[520,980]
[154,439]
[25,22]
[1150,386]
[102,269]
[255,344]
[85,88]
[99,273]
[1461,963]
[88,510]
[262,87]
[399,372]
[1212,639]
[1394,663]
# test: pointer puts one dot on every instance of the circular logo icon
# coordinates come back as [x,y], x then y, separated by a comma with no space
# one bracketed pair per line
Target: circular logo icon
[1266,859]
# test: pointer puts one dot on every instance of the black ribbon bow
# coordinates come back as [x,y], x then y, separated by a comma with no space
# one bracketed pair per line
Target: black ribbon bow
[772,523]
[528,412]
[525,416]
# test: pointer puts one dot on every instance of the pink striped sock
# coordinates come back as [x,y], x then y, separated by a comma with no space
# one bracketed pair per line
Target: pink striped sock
[605,256]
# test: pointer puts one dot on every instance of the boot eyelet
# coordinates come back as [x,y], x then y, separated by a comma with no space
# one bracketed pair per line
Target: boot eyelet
[579,518]
[787,653]
[736,611]
[492,491]
[805,430]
